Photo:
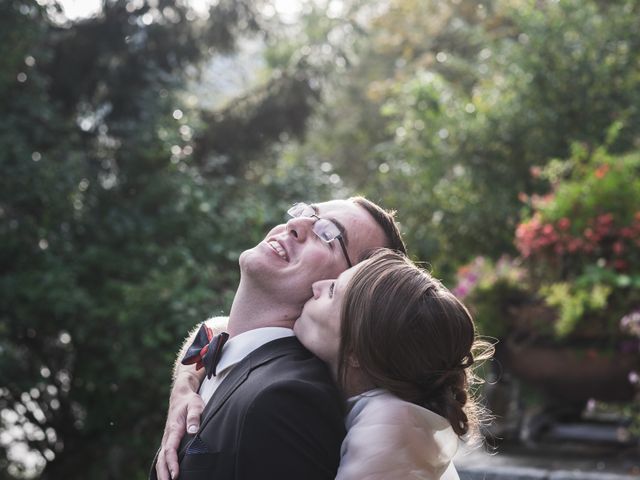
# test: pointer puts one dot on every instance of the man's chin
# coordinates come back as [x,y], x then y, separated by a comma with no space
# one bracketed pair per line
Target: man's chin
[256,256]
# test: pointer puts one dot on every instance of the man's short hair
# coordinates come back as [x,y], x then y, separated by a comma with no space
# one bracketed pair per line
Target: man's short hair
[386,220]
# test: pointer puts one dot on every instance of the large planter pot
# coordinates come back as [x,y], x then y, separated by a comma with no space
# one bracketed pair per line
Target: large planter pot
[567,376]
[572,374]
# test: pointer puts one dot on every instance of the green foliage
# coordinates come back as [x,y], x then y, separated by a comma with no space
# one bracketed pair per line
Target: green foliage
[445,107]
[595,184]
[492,290]
[125,207]
[119,230]
[574,303]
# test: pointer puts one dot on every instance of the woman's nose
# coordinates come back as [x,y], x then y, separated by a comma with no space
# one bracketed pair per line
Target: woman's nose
[319,287]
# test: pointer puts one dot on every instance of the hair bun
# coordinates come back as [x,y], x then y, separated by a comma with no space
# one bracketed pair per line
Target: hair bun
[445,393]
[460,395]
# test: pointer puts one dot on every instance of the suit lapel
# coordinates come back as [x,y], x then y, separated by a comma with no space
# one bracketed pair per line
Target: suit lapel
[239,374]
[236,377]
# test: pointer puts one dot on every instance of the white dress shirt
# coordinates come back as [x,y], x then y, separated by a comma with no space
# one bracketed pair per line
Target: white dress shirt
[235,350]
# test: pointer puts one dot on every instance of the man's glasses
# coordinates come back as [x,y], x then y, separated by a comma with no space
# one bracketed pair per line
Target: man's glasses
[322,227]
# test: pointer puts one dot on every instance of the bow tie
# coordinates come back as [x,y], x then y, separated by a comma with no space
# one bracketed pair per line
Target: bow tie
[205,350]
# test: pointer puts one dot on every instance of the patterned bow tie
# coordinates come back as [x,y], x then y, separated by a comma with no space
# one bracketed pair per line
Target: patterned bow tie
[205,350]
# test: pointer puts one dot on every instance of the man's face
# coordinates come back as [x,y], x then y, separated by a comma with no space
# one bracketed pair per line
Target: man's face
[291,257]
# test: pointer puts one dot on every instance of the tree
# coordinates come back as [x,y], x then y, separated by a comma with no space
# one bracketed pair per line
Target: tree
[120,228]
[445,107]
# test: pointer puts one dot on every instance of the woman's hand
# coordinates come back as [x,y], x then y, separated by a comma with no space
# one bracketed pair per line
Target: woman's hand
[185,409]
[185,406]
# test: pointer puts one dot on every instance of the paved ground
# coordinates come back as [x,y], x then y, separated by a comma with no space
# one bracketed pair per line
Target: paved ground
[551,462]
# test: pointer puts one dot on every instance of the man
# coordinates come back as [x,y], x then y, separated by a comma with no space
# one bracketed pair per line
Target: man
[274,411]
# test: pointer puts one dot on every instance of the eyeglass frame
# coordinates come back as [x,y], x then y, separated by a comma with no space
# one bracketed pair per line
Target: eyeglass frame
[338,236]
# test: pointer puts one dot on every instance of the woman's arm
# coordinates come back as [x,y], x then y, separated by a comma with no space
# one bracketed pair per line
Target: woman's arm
[185,405]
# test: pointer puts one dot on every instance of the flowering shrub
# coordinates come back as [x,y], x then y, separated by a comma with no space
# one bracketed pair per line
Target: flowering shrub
[492,290]
[483,273]
[630,323]
[593,216]
[582,241]
[601,240]
[579,249]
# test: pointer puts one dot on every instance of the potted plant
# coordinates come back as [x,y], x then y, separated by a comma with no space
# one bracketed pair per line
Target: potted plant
[557,306]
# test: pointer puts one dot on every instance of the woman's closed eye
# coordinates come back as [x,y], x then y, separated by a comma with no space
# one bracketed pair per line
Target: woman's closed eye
[331,288]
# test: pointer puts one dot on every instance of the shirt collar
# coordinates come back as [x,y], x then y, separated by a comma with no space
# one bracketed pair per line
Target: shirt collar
[238,347]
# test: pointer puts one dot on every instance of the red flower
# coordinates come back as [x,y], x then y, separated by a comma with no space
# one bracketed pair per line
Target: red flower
[601,171]
[620,265]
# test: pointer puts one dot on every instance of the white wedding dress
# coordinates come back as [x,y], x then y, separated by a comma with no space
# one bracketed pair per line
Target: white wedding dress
[388,438]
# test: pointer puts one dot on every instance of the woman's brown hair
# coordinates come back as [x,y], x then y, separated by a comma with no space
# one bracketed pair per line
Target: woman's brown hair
[412,337]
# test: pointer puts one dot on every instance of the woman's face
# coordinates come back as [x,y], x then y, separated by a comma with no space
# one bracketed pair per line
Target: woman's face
[318,327]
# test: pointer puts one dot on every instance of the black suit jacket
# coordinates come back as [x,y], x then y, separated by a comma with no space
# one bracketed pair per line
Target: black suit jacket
[277,415]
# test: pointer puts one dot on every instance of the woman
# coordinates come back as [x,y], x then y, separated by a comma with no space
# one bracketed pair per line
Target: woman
[401,346]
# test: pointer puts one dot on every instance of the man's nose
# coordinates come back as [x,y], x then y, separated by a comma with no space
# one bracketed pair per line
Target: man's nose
[300,227]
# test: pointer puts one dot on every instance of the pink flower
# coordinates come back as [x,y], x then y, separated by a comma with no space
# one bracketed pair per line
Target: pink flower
[574,245]
[605,219]
[626,232]
[564,223]
[618,247]
[460,291]
[630,323]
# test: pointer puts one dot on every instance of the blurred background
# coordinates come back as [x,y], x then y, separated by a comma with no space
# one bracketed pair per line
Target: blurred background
[145,143]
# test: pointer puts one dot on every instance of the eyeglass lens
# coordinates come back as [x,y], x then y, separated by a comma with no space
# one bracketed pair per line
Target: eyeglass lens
[325,229]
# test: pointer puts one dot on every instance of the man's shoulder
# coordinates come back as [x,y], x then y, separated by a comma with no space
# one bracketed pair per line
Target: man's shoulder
[284,367]
[286,359]
[298,383]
